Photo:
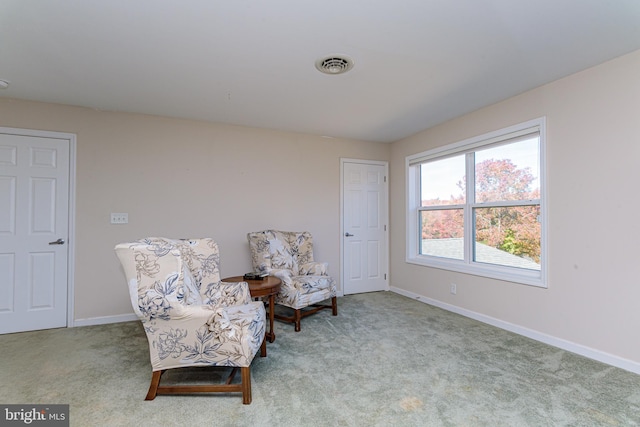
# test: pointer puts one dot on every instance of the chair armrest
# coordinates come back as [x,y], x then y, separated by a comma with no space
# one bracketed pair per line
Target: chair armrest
[167,336]
[227,293]
[183,338]
[314,269]
[192,316]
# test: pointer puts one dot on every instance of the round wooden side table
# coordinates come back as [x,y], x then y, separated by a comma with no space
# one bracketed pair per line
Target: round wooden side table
[261,288]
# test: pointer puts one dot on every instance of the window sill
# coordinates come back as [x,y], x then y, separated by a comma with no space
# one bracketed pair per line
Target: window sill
[520,276]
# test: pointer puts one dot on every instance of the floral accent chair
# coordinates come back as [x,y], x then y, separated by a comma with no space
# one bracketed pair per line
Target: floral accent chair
[190,317]
[288,255]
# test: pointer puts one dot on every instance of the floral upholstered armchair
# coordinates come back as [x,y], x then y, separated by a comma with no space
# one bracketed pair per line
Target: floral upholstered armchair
[288,255]
[190,317]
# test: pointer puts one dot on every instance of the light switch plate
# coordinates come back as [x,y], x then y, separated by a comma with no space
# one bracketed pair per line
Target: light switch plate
[119,218]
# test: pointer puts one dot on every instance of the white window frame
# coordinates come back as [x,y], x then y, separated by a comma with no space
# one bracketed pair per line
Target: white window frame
[511,274]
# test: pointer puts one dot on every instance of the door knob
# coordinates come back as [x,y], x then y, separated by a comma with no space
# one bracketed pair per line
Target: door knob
[57,242]
[348,235]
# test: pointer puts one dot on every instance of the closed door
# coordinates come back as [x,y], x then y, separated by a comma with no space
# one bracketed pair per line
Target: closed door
[365,218]
[34,228]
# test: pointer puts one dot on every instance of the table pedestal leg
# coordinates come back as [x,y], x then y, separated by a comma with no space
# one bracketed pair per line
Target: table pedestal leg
[271,335]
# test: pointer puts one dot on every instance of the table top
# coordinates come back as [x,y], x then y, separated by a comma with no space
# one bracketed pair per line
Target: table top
[258,287]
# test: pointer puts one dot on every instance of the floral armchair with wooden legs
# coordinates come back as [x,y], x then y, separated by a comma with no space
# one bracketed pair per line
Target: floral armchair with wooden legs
[288,255]
[190,317]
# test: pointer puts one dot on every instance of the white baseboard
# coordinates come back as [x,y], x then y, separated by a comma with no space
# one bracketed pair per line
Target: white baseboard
[105,320]
[600,356]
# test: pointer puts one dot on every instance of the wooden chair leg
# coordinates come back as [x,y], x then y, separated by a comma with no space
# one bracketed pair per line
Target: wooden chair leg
[246,384]
[263,347]
[228,387]
[297,315]
[153,388]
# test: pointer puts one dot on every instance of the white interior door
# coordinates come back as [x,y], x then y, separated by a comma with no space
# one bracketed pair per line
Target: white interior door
[365,218]
[34,230]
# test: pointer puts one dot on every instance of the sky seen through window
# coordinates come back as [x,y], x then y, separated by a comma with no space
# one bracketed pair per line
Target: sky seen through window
[439,178]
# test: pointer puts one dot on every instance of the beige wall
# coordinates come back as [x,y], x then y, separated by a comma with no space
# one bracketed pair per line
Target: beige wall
[593,150]
[180,178]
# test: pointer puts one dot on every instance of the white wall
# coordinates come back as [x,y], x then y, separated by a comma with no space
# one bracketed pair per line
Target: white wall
[593,150]
[180,178]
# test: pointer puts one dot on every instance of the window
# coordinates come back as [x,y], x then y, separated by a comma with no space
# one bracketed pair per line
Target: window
[477,206]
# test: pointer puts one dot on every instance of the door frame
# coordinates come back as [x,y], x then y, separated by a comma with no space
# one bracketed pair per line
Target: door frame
[71,239]
[386,208]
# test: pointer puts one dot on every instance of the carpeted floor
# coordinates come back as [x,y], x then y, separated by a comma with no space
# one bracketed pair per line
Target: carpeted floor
[385,360]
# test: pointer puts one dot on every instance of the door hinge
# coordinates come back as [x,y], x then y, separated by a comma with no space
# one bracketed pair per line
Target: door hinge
[385,178]
[385,276]
[385,227]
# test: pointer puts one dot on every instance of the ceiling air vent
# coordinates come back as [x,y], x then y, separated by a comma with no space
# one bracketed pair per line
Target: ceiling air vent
[334,64]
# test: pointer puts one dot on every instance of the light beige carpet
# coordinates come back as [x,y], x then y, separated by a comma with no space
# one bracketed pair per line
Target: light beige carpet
[385,360]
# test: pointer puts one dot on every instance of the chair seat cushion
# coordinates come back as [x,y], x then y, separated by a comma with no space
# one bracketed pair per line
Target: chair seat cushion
[306,290]
[309,284]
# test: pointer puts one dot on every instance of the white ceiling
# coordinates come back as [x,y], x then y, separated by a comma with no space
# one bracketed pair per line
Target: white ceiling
[251,62]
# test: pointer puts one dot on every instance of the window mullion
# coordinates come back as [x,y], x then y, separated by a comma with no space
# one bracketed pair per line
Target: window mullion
[440,207]
[506,203]
[469,229]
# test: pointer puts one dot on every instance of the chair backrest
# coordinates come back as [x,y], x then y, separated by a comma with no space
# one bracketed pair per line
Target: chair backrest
[153,272]
[166,274]
[202,257]
[274,249]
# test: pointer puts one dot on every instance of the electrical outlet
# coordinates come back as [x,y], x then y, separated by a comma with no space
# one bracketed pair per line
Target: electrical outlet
[119,218]
[454,289]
